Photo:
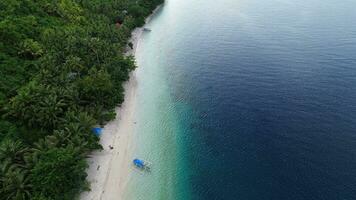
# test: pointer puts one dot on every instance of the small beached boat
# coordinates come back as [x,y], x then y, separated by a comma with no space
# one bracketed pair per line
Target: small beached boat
[141,164]
[147,29]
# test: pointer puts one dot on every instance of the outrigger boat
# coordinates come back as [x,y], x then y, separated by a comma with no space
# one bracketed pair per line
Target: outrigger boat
[147,29]
[141,164]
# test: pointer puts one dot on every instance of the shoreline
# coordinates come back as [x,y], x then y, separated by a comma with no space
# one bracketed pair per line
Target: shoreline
[137,34]
[109,169]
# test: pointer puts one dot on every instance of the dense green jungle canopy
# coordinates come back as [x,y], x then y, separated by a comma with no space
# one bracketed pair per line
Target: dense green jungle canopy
[62,66]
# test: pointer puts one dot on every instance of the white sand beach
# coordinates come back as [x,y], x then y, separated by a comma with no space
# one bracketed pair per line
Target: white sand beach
[109,170]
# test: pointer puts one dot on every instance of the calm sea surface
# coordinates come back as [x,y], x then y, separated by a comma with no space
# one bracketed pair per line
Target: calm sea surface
[256,100]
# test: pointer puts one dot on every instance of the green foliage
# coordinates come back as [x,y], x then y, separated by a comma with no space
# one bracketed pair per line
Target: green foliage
[39,106]
[69,10]
[31,49]
[8,130]
[13,152]
[59,173]
[96,88]
[107,116]
[14,180]
[62,67]
[15,183]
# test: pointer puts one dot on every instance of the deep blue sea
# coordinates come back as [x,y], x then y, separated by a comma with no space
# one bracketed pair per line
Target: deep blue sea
[265,94]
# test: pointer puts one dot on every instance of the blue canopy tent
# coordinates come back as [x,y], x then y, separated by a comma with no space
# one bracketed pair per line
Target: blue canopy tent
[139,163]
[97,131]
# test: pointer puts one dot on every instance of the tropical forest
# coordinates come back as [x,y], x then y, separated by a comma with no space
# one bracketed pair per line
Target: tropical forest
[62,67]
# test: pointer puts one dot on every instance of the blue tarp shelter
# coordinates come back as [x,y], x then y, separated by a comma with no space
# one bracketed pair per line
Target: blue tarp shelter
[139,163]
[97,131]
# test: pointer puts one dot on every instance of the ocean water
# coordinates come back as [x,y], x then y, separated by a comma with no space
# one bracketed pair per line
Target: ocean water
[248,100]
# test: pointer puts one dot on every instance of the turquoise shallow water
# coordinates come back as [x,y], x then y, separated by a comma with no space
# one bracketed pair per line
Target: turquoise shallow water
[159,134]
[248,99]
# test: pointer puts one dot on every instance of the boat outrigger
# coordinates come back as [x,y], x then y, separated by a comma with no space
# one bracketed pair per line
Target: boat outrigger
[141,164]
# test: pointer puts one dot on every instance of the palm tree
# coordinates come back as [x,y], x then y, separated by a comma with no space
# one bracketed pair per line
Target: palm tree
[15,184]
[12,152]
[48,142]
[49,111]
[39,147]
[85,120]
[72,135]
